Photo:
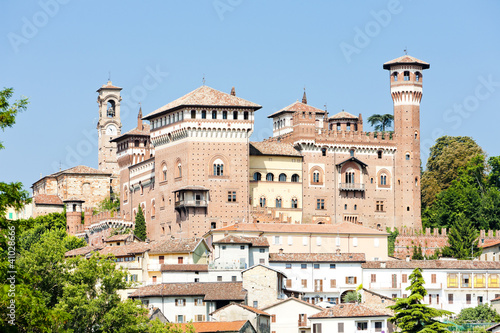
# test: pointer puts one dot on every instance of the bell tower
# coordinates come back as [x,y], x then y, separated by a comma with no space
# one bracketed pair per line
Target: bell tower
[109,127]
[406,92]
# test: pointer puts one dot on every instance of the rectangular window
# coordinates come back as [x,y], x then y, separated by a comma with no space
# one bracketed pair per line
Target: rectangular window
[466,283]
[304,283]
[404,278]
[180,318]
[433,278]
[468,298]
[231,196]
[262,250]
[198,301]
[162,259]
[180,260]
[318,241]
[289,283]
[262,261]
[242,247]
[273,318]
[320,203]
[450,298]
[452,280]
[340,327]
[288,266]
[219,278]
[290,240]
[374,278]
[405,295]
[479,281]
[355,241]
[351,279]
[333,283]
[332,266]
[318,285]
[378,326]
[200,318]
[316,266]
[304,240]
[277,240]
[394,281]
[256,304]
[180,302]
[233,278]
[362,326]
[316,328]
[493,281]
[303,266]
[379,206]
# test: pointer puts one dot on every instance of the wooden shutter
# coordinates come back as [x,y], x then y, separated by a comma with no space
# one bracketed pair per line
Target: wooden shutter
[355,280]
[346,280]
[176,302]
[273,318]
[333,283]
[289,283]
[341,327]
[162,259]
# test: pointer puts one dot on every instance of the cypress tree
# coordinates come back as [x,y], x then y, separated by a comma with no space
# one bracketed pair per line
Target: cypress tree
[140,224]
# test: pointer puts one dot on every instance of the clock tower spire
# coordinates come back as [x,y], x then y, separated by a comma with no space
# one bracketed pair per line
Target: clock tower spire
[109,127]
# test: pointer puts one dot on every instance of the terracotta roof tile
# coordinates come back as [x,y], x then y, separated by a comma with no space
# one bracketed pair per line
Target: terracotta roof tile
[125,250]
[48,199]
[145,131]
[316,257]
[212,291]
[246,307]
[489,243]
[205,96]
[406,59]
[340,228]
[273,148]
[184,268]
[80,169]
[216,326]
[433,264]
[82,251]
[108,85]
[254,241]
[117,238]
[343,115]
[297,107]
[348,310]
[176,246]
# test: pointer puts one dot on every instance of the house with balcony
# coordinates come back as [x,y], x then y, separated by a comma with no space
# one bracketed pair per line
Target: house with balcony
[291,315]
[193,301]
[350,318]
[191,251]
[318,277]
[451,284]
[239,252]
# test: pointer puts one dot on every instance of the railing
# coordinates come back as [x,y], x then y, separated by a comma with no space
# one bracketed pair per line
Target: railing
[351,187]
[191,203]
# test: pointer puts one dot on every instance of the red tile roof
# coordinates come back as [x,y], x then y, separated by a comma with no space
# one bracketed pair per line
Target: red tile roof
[80,169]
[246,307]
[273,148]
[216,326]
[343,115]
[316,257]
[349,310]
[82,251]
[117,238]
[48,199]
[433,264]
[489,243]
[176,246]
[108,85]
[254,241]
[212,291]
[184,268]
[297,107]
[145,131]
[406,59]
[340,228]
[125,250]
[205,96]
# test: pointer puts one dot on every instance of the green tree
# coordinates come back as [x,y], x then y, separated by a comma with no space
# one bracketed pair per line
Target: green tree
[463,240]
[446,157]
[9,112]
[109,205]
[140,224]
[391,240]
[483,313]
[411,316]
[417,253]
[381,121]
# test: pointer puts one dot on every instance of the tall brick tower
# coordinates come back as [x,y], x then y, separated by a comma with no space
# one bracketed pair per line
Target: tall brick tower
[406,92]
[108,127]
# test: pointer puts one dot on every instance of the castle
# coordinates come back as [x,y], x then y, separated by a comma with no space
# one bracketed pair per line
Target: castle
[193,167]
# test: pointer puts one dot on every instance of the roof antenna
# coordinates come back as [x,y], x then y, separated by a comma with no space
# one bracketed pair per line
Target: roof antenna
[109,77]
[203,80]
[406,50]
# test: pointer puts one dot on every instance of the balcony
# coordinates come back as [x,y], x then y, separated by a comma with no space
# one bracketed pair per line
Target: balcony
[351,187]
[191,203]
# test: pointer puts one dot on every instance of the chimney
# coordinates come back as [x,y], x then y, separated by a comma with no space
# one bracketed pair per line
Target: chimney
[281,251]
[233,91]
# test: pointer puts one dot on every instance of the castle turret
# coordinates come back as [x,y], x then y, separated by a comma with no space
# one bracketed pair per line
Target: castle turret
[406,92]
[74,223]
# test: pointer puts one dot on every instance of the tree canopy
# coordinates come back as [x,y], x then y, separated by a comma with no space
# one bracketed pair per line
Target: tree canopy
[411,316]
[140,224]
[463,240]
[380,122]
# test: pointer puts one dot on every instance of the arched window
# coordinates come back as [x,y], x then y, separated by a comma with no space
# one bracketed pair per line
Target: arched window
[179,170]
[278,202]
[407,156]
[257,176]
[416,135]
[395,76]
[418,76]
[245,115]
[164,172]
[338,127]
[351,152]
[193,114]
[315,177]
[224,114]
[141,187]
[203,114]
[218,167]
[235,114]
[348,126]
[406,76]
[295,203]
[136,143]
[262,201]
[383,179]
[282,177]
[269,177]
[214,114]
[162,202]
[153,208]
[349,176]
[125,193]
[323,151]
[110,109]
[379,154]
[295,178]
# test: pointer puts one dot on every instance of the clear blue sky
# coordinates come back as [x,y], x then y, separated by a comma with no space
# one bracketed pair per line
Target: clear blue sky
[60,55]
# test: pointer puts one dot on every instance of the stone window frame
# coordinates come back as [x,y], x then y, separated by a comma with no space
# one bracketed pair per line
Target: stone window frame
[321,175]
[388,179]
